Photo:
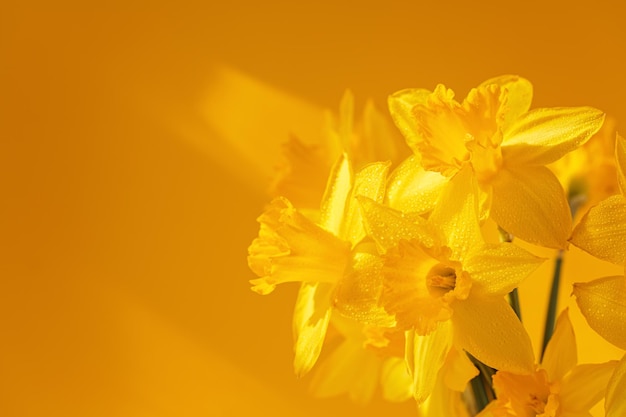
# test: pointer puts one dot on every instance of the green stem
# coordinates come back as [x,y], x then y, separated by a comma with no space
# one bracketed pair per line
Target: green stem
[552,305]
[506,237]
[514,301]
[576,198]
[487,374]
[482,384]
[480,394]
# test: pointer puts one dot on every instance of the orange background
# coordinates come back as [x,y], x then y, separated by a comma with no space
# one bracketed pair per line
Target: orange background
[136,142]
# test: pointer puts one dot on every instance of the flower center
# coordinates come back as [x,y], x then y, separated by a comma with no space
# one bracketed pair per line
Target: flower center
[536,404]
[440,279]
[486,158]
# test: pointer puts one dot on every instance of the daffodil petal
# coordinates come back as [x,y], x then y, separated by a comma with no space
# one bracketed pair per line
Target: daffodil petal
[615,403]
[388,226]
[560,355]
[358,293]
[368,182]
[338,128]
[602,230]
[346,119]
[519,94]
[333,375]
[542,136]
[349,369]
[488,328]
[603,303]
[396,381]
[496,269]
[458,371]
[620,157]
[444,401]
[412,189]
[456,214]
[425,355]
[401,105]
[381,141]
[568,413]
[585,386]
[310,322]
[530,204]
[335,197]
[484,203]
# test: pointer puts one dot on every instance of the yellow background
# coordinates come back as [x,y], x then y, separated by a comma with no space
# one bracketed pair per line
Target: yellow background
[136,142]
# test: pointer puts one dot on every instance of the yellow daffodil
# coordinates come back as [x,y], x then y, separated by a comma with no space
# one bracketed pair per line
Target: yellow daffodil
[602,231]
[290,247]
[558,387]
[445,286]
[603,303]
[370,138]
[505,145]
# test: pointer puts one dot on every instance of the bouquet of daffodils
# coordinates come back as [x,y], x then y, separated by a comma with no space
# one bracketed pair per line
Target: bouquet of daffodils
[411,252]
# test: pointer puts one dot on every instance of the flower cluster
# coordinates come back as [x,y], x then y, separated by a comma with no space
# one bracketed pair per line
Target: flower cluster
[408,251]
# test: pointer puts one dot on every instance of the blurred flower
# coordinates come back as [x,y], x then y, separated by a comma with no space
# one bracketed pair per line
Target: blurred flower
[302,176]
[367,357]
[588,173]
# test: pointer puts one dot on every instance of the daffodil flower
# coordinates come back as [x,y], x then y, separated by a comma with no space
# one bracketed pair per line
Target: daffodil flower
[506,147]
[292,248]
[558,387]
[446,287]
